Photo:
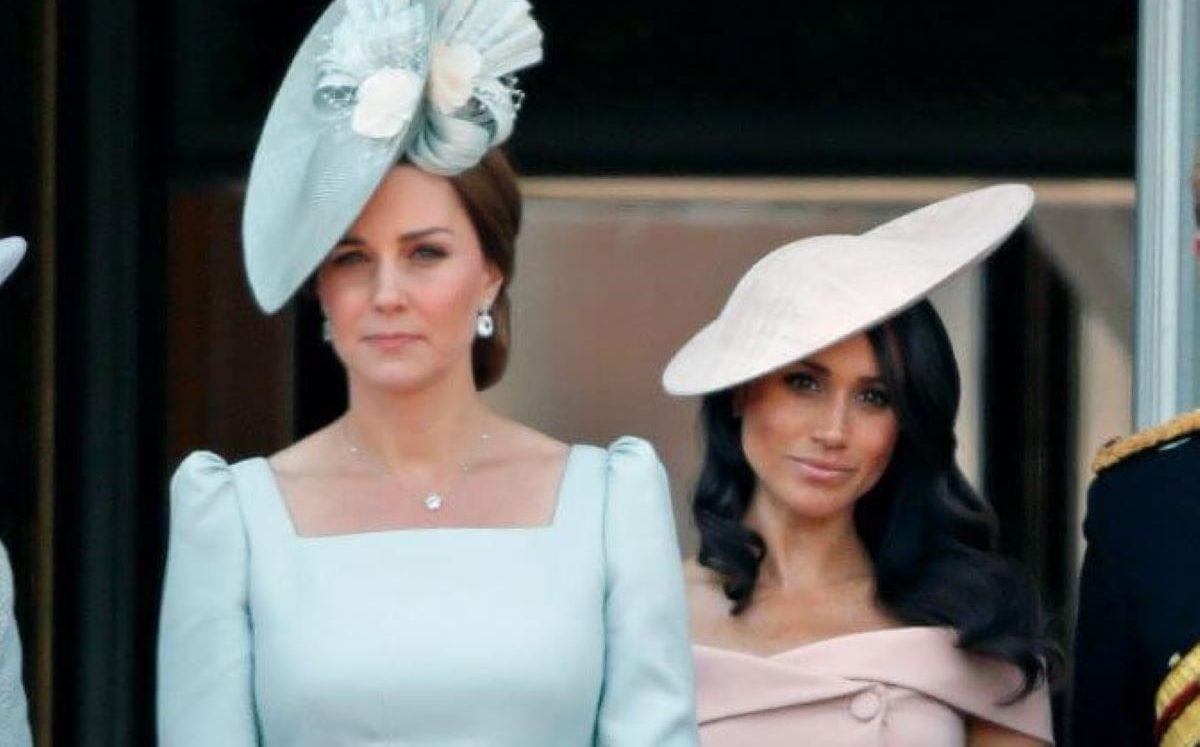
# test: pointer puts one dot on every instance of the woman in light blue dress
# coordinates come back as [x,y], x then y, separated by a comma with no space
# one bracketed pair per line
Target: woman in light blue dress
[423,570]
[14,721]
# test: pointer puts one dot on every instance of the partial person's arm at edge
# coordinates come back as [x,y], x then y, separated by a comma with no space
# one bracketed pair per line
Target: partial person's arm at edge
[14,715]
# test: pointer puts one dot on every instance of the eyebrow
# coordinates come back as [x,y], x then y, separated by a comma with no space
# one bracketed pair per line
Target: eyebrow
[351,240]
[823,371]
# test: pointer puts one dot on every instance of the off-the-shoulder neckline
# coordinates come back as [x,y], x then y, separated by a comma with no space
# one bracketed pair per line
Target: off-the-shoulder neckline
[820,643]
[282,503]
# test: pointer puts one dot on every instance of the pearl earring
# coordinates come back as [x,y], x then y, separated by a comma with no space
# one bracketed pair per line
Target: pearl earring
[326,331]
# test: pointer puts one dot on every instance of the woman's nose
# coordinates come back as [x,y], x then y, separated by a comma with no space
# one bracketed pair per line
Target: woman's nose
[389,284]
[833,426]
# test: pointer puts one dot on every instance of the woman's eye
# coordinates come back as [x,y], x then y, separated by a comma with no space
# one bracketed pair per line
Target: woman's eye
[877,398]
[429,252]
[802,381]
[348,258]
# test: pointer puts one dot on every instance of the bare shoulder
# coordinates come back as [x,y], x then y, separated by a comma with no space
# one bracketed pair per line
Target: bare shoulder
[524,470]
[517,443]
[306,456]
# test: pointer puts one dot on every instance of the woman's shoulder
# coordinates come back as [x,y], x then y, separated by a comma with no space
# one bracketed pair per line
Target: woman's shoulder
[206,480]
[202,479]
[627,458]
[525,444]
[300,456]
[923,661]
[205,498]
[517,455]
[201,471]
[634,475]
[632,448]
[930,659]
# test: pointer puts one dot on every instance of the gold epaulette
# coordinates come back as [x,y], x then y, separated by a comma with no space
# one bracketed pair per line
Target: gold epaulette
[1177,705]
[1121,449]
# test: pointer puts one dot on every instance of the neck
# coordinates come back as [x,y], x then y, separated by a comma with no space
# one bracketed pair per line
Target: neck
[806,552]
[417,429]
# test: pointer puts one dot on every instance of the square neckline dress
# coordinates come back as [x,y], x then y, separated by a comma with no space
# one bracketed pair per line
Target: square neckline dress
[571,633]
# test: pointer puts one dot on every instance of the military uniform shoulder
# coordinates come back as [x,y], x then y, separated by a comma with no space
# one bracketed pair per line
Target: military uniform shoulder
[1120,449]
[1177,702]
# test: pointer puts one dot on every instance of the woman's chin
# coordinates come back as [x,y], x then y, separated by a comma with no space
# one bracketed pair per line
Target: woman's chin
[397,377]
[816,504]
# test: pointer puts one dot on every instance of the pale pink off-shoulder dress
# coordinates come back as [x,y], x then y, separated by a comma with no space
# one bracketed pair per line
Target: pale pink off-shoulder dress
[903,686]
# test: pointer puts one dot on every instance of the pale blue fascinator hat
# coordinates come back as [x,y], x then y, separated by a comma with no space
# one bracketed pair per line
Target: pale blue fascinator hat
[375,82]
[11,251]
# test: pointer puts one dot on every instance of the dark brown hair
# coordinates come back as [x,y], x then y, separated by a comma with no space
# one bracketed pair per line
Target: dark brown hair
[489,193]
[932,539]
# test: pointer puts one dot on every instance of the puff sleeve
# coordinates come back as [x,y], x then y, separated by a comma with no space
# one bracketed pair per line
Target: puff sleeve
[205,695]
[14,721]
[648,696]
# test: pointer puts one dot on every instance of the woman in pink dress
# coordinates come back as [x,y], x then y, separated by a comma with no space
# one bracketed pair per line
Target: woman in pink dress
[847,589]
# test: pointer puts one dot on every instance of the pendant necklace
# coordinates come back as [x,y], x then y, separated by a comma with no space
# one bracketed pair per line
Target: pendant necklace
[433,500]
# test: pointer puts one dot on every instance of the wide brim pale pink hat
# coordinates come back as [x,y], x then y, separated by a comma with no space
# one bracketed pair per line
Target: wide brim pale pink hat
[812,293]
[11,251]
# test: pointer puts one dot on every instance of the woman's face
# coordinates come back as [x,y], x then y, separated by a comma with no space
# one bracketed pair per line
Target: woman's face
[402,289]
[819,433]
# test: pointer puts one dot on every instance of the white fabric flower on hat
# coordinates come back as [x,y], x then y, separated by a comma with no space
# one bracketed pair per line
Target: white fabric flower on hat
[452,74]
[386,101]
[374,66]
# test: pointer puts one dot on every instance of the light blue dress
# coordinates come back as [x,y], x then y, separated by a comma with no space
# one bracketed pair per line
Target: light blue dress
[14,719]
[570,634]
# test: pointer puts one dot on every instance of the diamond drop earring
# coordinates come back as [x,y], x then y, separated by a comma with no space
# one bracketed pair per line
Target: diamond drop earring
[326,331]
[485,326]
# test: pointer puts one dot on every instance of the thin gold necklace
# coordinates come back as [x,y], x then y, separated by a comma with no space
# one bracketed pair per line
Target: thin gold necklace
[433,500]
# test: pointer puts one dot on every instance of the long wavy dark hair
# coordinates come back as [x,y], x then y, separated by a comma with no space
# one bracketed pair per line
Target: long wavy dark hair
[931,538]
